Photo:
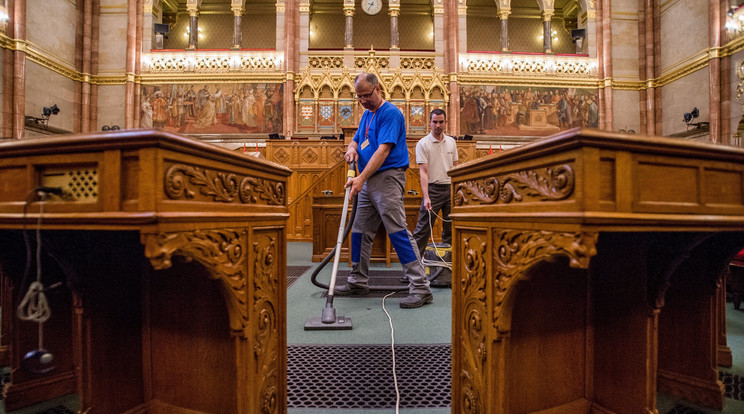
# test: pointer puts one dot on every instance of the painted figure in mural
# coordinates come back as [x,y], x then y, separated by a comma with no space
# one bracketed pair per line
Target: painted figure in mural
[146,115]
[592,113]
[379,148]
[202,97]
[248,109]
[189,103]
[258,108]
[565,118]
[207,115]
[159,110]
[470,116]
[219,104]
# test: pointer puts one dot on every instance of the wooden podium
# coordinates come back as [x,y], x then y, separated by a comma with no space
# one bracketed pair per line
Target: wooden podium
[171,259]
[587,273]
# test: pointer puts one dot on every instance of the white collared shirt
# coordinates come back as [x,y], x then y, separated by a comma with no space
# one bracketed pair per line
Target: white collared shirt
[438,155]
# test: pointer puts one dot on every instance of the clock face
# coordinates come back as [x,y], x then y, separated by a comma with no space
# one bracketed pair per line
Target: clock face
[371,6]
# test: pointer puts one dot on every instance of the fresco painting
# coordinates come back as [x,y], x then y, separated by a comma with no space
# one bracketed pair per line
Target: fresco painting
[240,108]
[525,111]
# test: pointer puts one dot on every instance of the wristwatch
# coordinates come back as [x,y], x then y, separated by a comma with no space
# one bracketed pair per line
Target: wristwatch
[371,7]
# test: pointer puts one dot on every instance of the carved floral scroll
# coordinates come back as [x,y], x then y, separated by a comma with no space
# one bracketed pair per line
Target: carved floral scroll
[221,252]
[513,253]
[185,182]
[546,184]
[266,346]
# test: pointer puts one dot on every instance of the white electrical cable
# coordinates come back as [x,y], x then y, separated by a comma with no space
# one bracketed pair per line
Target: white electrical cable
[392,346]
[34,306]
[441,262]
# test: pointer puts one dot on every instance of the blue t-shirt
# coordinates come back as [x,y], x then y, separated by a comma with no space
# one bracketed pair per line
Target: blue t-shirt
[386,125]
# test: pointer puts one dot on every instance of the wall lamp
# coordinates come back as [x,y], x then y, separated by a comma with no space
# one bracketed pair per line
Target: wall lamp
[688,117]
[110,128]
[45,114]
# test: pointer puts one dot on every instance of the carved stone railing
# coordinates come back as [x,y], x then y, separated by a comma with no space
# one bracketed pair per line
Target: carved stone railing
[226,61]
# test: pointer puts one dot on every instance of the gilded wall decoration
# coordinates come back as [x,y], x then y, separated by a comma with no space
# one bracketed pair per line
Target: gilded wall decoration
[325,101]
[545,184]
[526,111]
[231,108]
[185,182]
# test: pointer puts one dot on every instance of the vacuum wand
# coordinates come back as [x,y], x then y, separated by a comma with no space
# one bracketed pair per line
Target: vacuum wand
[328,317]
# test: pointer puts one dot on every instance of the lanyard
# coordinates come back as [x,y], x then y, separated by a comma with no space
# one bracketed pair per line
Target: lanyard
[366,132]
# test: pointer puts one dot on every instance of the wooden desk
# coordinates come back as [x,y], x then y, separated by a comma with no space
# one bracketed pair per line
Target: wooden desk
[327,219]
[172,257]
[587,273]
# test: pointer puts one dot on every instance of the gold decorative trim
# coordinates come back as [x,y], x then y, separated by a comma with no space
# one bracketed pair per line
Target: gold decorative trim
[185,182]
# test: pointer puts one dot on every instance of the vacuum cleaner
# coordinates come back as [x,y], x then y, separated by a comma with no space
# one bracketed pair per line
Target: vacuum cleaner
[328,319]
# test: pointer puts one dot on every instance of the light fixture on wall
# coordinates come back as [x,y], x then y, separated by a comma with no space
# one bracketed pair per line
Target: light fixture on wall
[110,128]
[688,117]
[45,114]
[188,32]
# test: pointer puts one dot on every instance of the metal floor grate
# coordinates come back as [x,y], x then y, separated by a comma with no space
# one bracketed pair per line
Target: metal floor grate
[380,281]
[733,385]
[360,376]
[294,273]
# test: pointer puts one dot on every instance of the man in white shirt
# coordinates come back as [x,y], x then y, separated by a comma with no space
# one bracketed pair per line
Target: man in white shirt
[436,153]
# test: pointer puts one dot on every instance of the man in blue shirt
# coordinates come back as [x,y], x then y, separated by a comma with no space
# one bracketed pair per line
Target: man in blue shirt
[379,148]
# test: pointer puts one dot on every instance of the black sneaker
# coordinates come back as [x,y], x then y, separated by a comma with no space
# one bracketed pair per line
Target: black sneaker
[416,300]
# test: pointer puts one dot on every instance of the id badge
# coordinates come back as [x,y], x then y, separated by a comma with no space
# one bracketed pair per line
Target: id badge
[365,144]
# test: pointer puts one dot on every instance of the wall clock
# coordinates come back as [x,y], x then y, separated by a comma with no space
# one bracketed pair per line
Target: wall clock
[371,6]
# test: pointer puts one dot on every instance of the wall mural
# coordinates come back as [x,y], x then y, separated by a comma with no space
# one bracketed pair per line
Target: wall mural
[525,111]
[240,108]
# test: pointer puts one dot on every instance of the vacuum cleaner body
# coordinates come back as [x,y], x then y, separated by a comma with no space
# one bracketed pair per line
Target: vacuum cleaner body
[438,264]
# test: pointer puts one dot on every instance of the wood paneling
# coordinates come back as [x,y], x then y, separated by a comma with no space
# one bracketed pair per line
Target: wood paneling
[171,255]
[586,275]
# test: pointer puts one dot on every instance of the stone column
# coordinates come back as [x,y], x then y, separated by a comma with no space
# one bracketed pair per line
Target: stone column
[304,31]
[237,9]
[439,34]
[130,102]
[86,67]
[349,28]
[547,31]
[504,16]
[193,10]
[394,12]
[462,27]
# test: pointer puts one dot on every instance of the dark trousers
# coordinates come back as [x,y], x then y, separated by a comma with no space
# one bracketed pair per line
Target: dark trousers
[439,194]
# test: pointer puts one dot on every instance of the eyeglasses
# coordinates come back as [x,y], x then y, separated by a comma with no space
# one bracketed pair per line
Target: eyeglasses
[365,96]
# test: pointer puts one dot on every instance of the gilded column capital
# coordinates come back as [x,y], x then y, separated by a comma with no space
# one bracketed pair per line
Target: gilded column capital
[394,12]
[305,6]
[462,7]
[504,14]
[349,10]
[548,14]
[237,10]
[438,9]
[148,6]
